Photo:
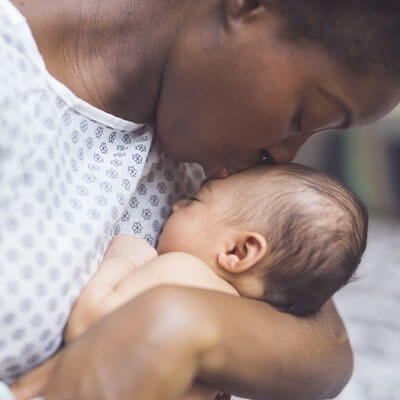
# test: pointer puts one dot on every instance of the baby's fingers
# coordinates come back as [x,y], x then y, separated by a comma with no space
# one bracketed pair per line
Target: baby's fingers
[35,382]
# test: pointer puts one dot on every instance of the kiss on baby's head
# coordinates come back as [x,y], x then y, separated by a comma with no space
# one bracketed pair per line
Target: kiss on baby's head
[286,234]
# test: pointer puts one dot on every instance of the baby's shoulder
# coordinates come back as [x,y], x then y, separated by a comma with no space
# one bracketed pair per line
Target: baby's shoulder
[189,270]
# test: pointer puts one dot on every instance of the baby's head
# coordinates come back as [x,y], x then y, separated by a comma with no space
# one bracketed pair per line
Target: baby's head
[286,234]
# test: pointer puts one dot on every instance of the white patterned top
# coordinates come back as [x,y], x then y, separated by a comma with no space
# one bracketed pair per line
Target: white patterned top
[71,176]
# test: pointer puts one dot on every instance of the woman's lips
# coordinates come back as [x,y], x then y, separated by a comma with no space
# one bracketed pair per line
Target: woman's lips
[217,172]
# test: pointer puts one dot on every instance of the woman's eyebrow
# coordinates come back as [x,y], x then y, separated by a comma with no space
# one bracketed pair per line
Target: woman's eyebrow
[348,114]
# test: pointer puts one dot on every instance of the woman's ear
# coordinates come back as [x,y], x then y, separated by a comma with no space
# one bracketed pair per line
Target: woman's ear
[245,253]
[241,8]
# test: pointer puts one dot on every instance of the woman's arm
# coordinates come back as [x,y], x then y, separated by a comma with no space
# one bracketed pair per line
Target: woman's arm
[264,354]
[153,348]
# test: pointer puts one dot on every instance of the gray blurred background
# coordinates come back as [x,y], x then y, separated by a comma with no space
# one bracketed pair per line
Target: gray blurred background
[368,161]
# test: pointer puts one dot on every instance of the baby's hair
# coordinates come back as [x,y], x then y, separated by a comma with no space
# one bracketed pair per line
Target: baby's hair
[316,232]
[363,34]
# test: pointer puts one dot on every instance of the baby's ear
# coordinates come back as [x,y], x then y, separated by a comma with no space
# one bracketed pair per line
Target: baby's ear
[248,249]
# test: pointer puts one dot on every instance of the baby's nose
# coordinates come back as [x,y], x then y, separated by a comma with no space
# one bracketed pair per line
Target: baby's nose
[178,205]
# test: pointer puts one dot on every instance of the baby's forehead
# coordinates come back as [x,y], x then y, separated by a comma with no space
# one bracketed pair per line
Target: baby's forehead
[241,183]
[287,179]
[279,173]
[261,176]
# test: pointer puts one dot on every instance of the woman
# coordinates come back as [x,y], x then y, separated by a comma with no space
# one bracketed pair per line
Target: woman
[227,84]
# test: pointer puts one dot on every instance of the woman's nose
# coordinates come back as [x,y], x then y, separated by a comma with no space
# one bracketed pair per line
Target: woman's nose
[286,151]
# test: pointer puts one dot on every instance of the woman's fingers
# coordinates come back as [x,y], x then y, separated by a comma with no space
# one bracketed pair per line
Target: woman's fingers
[35,383]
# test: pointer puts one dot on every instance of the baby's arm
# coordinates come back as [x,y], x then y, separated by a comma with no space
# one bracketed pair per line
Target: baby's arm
[120,279]
[124,255]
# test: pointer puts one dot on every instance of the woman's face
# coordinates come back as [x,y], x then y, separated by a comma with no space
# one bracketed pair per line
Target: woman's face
[233,88]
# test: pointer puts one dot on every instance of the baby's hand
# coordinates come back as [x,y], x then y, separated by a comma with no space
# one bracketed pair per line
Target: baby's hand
[124,255]
[137,250]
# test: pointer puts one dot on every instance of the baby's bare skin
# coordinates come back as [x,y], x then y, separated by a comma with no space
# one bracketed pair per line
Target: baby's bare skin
[130,267]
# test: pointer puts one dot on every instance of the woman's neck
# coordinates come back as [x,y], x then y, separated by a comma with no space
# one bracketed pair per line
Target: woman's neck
[109,53]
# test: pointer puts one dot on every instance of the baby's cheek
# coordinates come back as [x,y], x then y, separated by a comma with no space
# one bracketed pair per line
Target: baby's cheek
[172,238]
[164,240]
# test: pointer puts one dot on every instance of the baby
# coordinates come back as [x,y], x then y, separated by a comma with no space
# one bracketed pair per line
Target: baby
[283,234]
[286,234]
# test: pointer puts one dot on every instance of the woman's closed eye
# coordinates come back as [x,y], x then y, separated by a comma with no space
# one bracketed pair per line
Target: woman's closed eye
[266,157]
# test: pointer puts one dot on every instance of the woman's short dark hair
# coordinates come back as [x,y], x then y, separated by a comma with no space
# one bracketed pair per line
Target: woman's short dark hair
[362,34]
